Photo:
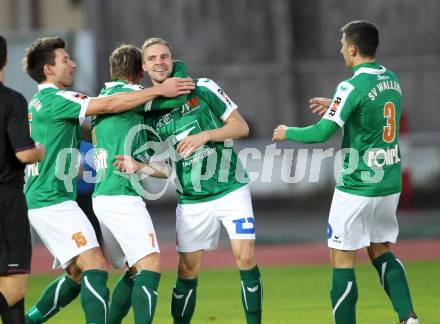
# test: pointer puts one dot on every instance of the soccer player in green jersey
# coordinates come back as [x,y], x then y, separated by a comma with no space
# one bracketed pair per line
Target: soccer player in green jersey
[127,229]
[55,116]
[363,213]
[212,184]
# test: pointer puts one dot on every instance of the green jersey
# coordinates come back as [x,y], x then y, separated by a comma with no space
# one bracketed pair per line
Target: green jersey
[54,118]
[213,170]
[367,106]
[109,134]
[124,134]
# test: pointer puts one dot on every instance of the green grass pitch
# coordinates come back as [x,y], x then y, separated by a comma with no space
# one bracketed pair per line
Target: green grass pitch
[295,294]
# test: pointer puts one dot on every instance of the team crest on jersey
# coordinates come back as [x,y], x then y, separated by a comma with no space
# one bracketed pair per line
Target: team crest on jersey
[334,106]
[80,96]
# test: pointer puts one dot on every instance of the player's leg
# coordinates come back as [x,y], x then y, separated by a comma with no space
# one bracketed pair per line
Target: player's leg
[236,214]
[94,293]
[127,227]
[251,284]
[197,230]
[144,296]
[344,292]
[183,299]
[348,228]
[57,295]
[12,291]
[15,255]
[390,269]
[69,236]
[120,301]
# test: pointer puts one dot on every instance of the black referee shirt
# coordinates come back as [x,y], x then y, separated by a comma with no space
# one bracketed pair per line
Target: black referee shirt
[14,136]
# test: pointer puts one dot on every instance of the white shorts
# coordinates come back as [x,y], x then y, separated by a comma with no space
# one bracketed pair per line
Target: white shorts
[127,230]
[356,221]
[65,230]
[198,225]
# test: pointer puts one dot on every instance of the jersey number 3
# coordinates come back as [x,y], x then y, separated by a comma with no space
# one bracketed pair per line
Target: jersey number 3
[389,130]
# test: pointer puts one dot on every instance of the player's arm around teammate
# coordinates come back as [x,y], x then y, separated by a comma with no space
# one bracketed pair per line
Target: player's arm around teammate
[198,129]
[55,116]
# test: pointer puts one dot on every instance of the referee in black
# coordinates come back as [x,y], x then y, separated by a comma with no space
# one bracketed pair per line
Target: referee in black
[16,149]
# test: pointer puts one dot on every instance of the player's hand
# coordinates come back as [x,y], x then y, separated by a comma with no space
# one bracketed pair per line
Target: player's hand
[127,164]
[173,87]
[191,143]
[279,133]
[319,105]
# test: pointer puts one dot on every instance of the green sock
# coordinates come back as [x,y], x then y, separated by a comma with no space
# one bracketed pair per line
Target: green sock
[94,296]
[183,301]
[251,294]
[144,297]
[120,302]
[393,280]
[58,294]
[344,296]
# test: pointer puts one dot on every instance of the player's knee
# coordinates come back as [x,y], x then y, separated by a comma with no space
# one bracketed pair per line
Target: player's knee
[245,260]
[92,259]
[188,270]
[74,272]
[14,294]
[151,262]
[377,249]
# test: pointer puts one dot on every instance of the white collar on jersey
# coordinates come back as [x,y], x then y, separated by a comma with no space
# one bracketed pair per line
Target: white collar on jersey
[370,70]
[113,83]
[43,86]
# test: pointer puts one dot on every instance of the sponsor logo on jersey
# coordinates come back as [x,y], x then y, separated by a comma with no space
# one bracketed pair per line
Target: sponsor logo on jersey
[223,94]
[193,102]
[190,105]
[164,120]
[380,157]
[80,96]
[334,106]
[33,169]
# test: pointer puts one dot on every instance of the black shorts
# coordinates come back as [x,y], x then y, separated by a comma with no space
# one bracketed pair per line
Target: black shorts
[15,235]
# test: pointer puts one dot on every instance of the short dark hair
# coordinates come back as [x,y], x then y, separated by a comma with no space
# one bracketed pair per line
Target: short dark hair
[364,35]
[41,52]
[3,52]
[125,62]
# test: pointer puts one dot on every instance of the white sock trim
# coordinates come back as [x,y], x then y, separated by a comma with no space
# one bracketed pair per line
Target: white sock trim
[382,274]
[94,292]
[401,264]
[57,295]
[244,295]
[186,301]
[344,295]
[149,297]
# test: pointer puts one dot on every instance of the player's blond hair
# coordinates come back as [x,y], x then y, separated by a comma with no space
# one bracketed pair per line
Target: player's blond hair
[125,63]
[154,41]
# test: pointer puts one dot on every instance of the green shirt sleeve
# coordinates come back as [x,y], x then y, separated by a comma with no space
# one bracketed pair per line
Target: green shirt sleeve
[162,103]
[317,133]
